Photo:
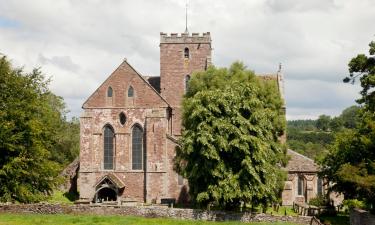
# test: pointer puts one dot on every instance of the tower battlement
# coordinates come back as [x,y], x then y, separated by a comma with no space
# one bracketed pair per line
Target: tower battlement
[185,38]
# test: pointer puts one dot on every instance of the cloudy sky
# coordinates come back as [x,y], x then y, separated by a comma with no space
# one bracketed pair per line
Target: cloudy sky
[79,43]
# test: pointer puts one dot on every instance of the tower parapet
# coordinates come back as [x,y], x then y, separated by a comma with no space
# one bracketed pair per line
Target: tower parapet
[185,38]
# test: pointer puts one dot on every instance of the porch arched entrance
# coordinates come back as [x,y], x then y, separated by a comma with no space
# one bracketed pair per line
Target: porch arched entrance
[106,194]
[108,189]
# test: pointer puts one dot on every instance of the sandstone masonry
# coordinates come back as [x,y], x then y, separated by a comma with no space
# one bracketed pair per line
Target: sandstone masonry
[150,211]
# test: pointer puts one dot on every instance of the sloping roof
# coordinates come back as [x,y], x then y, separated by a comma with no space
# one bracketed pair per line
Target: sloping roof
[125,63]
[173,139]
[154,82]
[71,169]
[300,163]
[113,178]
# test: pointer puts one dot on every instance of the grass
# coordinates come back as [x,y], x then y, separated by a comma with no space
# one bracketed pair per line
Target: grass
[60,197]
[61,219]
[283,210]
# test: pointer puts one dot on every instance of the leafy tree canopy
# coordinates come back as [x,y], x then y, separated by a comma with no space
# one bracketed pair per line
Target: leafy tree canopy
[350,162]
[31,121]
[229,149]
[313,137]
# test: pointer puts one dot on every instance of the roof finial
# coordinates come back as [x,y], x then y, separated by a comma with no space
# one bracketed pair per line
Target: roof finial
[186,17]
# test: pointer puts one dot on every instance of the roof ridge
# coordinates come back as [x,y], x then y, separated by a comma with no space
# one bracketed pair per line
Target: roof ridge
[296,153]
[139,74]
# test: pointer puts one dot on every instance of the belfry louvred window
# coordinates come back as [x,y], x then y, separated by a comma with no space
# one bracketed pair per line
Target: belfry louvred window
[186,53]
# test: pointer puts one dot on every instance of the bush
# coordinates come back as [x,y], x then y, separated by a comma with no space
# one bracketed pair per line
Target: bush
[354,203]
[319,200]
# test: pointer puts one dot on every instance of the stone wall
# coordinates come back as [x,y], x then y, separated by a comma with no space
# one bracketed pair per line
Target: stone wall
[150,211]
[361,217]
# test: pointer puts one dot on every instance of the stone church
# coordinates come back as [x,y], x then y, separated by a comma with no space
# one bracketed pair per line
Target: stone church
[131,124]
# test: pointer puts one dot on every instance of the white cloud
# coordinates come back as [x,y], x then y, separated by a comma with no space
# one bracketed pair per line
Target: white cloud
[79,43]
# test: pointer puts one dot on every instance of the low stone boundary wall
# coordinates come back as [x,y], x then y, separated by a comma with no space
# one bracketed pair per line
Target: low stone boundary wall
[361,217]
[150,211]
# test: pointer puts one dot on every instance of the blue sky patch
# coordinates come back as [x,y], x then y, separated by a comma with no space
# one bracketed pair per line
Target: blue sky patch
[5,22]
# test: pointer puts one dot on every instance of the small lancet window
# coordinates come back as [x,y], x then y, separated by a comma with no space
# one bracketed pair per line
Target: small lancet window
[130,92]
[109,92]
[187,79]
[320,186]
[186,53]
[122,118]
[300,185]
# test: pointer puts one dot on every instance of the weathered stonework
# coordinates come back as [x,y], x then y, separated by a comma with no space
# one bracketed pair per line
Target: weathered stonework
[152,211]
[361,217]
[154,105]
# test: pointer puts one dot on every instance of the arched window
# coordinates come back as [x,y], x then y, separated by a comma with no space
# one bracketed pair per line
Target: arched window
[187,78]
[109,92]
[319,186]
[300,185]
[108,147]
[186,53]
[137,148]
[130,92]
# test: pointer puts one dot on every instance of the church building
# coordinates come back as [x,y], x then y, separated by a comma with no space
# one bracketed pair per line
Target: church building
[130,126]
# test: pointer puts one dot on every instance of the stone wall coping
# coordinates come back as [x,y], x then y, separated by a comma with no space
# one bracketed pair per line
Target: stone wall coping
[149,211]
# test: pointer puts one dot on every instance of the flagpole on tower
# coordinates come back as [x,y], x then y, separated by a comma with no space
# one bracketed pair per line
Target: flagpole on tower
[186,17]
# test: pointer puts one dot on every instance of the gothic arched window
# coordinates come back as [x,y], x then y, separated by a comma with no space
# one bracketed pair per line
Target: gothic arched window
[319,186]
[130,92]
[137,148]
[186,53]
[108,147]
[109,92]
[187,78]
[300,185]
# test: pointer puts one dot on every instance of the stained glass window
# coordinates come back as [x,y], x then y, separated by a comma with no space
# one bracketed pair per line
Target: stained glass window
[108,147]
[137,148]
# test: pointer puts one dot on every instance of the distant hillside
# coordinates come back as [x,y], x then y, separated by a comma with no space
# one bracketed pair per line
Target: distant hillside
[312,137]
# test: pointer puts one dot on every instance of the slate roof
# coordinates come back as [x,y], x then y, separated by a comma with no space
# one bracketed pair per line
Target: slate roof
[153,81]
[300,163]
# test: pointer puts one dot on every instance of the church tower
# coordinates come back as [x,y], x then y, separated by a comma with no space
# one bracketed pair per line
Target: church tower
[180,56]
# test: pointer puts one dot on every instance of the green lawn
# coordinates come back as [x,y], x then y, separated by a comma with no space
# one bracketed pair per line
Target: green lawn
[31,219]
[283,210]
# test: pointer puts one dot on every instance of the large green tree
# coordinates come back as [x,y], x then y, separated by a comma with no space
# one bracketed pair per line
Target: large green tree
[350,163]
[31,120]
[230,151]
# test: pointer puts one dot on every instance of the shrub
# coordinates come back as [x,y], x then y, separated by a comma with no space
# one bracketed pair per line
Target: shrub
[354,203]
[319,200]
